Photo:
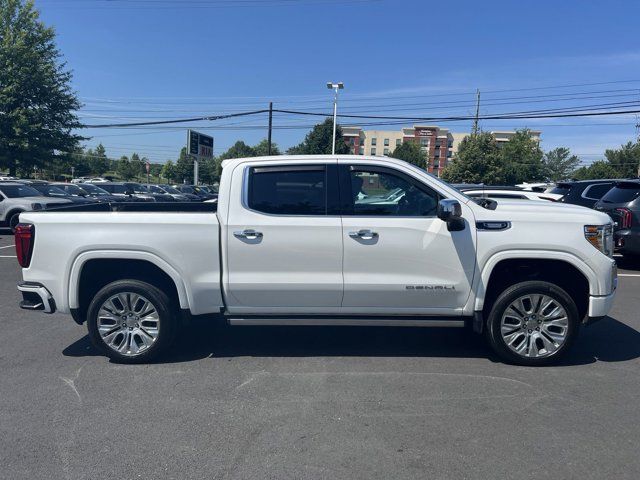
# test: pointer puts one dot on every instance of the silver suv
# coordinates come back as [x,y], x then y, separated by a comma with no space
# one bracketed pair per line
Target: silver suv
[16,198]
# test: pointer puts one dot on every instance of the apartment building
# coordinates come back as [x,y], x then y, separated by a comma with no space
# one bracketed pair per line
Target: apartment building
[439,144]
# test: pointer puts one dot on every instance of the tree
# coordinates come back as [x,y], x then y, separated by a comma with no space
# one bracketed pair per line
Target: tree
[98,160]
[559,164]
[184,167]
[37,104]
[478,160]
[598,169]
[319,140]
[522,159]
[262,149]
[410,152]
[626,159]
[238,150]
[123,168]
[168,171]
[137,166]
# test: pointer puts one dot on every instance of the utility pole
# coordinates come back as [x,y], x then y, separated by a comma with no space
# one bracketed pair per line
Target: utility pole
[270,125]
[335,87]
[474,131]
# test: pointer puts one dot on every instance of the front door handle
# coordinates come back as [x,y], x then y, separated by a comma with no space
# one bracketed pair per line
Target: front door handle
[364,234]
[248,233]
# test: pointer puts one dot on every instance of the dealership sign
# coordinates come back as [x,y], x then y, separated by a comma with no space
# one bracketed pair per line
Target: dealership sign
[200,145]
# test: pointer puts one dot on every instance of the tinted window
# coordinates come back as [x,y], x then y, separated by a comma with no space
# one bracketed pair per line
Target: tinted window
[596,192]
[115,188]
[282,191]
[51,191]
[15,191]
[155,189]
[382,193]
[560,189]
[93,190]
[622,193]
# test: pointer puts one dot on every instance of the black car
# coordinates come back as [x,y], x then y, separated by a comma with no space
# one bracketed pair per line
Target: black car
[582,192]
[195,190]
[82,191]
[176,194]
[50,190]
[94,191]
[622,203]
[128,192]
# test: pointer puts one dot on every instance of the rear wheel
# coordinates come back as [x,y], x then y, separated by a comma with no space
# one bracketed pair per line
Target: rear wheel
[532,323]
[131,321]
[14,219]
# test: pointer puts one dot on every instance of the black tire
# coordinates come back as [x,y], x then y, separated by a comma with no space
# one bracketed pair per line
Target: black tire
[512,294]
[14,219]
[167,320]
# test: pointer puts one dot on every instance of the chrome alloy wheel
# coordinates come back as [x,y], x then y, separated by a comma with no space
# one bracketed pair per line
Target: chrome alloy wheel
[534,325]
[128,323]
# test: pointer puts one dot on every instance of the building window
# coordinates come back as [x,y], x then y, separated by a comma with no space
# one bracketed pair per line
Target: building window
[438,144]
[450,144]
[386,151]
[398,142]
[386,142]
[374,141]
[373,151]
[437,153]
[449,154]
[361,151]
[424,142]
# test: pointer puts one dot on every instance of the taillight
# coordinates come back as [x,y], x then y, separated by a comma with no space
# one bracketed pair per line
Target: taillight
[24,237]
[625,217]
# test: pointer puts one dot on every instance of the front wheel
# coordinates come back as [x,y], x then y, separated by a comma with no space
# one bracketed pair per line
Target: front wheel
[131,321]
[532,323]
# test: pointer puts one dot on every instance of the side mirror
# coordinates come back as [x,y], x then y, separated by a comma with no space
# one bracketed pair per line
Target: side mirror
[450,211]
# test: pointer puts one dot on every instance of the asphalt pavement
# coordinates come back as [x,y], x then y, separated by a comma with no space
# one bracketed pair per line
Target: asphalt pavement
[315,402]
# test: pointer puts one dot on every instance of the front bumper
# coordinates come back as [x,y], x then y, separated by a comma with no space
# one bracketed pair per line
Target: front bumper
[599,307]
[35,296]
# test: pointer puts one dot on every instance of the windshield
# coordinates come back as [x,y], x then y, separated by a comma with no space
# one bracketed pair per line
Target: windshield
[51,191]
[93,190]
[17,191]
[622,193]
[155,189]
[171,190]
[186,189]
[73,190]
[137,188]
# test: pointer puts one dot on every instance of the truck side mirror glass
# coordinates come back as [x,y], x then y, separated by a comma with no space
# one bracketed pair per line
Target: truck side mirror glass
[450,211]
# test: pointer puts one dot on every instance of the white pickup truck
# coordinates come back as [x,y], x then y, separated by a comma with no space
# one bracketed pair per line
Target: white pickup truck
[323,240]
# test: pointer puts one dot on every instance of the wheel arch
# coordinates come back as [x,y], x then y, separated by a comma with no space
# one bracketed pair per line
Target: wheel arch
[564,270]
[93,270]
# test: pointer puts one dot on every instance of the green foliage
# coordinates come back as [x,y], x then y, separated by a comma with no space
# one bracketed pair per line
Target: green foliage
[626,160]
[184,168]
[521,159]
[410,152]
[239,150]
[559,164]
[262,149]
[168,172]
[478,160]
[598,169]
[37,104]
[319,139]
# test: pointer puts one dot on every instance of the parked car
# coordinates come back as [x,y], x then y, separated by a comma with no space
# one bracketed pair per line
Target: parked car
[622,203]
[79,180]
[194,190]
[127,191]
[96,180]
[582,192]
[102,195]
[16,198]
[512,193]
[169,190]
[50,190]
[290,243]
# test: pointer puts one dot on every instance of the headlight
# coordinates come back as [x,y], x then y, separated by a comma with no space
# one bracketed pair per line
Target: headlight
[601,237]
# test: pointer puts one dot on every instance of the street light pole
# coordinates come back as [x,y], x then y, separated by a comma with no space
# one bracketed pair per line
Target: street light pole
[335,87]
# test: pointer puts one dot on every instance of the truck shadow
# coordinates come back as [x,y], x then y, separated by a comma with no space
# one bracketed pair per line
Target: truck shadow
[607,341]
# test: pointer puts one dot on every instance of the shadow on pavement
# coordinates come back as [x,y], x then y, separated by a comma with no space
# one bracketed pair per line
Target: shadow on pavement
[607,341]
[628,263]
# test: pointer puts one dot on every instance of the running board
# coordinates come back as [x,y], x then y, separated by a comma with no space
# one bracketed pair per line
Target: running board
[350,321]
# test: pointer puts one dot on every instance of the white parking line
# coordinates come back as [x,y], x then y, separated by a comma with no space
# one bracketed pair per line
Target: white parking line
[8,256]
[629,274]
[7,246]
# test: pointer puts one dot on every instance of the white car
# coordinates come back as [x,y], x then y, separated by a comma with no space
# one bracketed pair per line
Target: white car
[290,242]
[512,194]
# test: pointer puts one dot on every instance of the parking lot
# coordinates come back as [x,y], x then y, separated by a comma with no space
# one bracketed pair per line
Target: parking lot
[276,402]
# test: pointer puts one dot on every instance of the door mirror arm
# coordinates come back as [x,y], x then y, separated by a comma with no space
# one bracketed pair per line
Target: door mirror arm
[450,211]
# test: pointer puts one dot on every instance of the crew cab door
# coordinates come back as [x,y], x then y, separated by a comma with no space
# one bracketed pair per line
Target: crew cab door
[284,239]
[399,258]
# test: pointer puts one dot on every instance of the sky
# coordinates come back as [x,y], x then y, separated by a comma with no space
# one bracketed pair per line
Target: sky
[145,60]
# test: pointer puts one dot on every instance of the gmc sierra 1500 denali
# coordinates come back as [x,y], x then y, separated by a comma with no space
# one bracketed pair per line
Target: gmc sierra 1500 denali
[323,240]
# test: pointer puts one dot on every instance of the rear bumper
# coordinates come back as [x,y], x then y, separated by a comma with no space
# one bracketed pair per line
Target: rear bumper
[627,241]
[35,296]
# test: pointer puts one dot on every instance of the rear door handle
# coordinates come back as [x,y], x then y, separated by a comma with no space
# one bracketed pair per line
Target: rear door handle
[364,234]
[248,233]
